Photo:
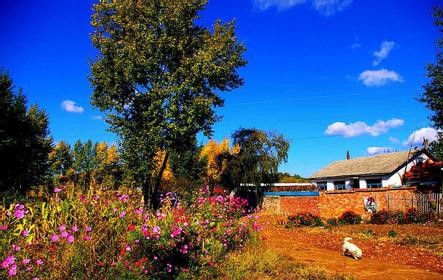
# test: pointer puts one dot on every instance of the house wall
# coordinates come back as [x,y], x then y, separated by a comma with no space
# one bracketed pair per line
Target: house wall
[331,204]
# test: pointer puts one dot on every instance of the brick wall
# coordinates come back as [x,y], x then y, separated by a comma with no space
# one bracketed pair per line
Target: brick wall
[332,204]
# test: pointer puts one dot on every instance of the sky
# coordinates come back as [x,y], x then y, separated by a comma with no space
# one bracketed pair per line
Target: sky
[329,75]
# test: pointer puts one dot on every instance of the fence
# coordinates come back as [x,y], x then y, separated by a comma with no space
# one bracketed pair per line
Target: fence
[423,202]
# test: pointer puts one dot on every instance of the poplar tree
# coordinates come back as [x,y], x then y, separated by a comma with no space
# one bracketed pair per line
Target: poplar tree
[158,76]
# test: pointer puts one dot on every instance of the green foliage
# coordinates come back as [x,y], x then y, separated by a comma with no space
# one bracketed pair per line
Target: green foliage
[304,219]
[257,161]
[433,89]
[436,147]
[158,77]
[350,218]
[411,216]
[24,140]
[288,178]
[332,222]
[392,233]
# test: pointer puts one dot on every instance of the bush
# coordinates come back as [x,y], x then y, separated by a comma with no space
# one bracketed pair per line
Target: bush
[332,222]
[349,218]
[392,233]
[412,216]
[383,217]
[304,219]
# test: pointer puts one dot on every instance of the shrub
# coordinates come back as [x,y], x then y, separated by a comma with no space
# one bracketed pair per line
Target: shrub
[383,217]
[304,219]
[349,217]
[332,222]
[412,216]
[392,233]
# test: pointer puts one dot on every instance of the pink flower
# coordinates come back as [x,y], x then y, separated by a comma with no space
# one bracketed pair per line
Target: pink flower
[16,248]
[219,198]
[87,238]
[28,268]
[57,190]
[3,227]
[26,261]
[64,234]
[38,262]
[35,278]
[19,211]
[74,228]
[156,230]
[8,261]
[12,270]
[25,233]
[70,239]
[139,211]
[54,238]
[87,229]
[176,232]
[122,214]
[62,228]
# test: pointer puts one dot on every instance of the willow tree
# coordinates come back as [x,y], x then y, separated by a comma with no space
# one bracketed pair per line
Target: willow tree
[157,77]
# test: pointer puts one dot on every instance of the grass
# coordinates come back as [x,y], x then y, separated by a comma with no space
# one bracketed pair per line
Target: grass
[257,262]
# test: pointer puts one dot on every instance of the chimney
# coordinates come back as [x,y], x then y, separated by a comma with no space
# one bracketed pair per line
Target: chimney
[348,155]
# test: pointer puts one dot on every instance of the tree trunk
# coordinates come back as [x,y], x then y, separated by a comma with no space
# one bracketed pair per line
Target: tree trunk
[151,187]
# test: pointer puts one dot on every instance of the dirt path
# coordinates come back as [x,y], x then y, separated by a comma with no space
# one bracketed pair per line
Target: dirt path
[286,243]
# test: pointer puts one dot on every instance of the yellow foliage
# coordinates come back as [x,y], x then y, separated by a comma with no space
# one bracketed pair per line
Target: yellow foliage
[112,155]
[216,165]
[167,173]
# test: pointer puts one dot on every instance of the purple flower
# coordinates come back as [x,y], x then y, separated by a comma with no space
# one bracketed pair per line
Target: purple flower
[62,228]
[219,198]
[38,262]
[16,248]
[12,270]
[19,211]
[28,268]
[54,238]
[87,238]
[70,239]
[8,261]
[74,228]
[26,261]
[64,234]
[25,233]
[122,214]
[139,211]
[87,229]
[156,230]
[57,190]
[176,232]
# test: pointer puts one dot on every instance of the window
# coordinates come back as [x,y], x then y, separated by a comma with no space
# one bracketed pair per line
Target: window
[339,185]
[322,186]
[373,183]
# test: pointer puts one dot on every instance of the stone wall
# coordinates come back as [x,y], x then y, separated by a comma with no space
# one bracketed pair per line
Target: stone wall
[331,204]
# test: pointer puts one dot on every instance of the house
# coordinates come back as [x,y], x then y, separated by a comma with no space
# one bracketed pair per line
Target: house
[369,172]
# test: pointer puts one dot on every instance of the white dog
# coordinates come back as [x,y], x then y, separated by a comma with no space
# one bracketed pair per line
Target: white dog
[350,249]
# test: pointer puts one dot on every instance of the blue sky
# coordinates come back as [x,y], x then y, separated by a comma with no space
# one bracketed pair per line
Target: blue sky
[330,75]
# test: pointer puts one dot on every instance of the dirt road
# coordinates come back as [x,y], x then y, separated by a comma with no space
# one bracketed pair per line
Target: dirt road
[287,243]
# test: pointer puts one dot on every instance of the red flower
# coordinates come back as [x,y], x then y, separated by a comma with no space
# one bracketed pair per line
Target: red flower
[131,227]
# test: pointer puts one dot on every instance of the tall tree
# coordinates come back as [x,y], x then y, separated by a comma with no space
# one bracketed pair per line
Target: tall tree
[258,159]
[60,159]
[24,140]
[433,89]
[158,77]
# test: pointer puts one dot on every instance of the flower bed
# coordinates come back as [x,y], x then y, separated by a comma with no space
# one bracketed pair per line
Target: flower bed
[108,235]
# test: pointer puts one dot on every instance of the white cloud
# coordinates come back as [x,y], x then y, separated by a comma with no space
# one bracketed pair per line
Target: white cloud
[378,150]
[416,137]
[360,128]
[385,48]
[325,7]
[330,7]
[71,106]
[355,45]
[97,117]
[378,78]
[279,4]
[394,140]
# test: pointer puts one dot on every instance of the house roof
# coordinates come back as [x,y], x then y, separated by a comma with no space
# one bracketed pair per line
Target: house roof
[374,165]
